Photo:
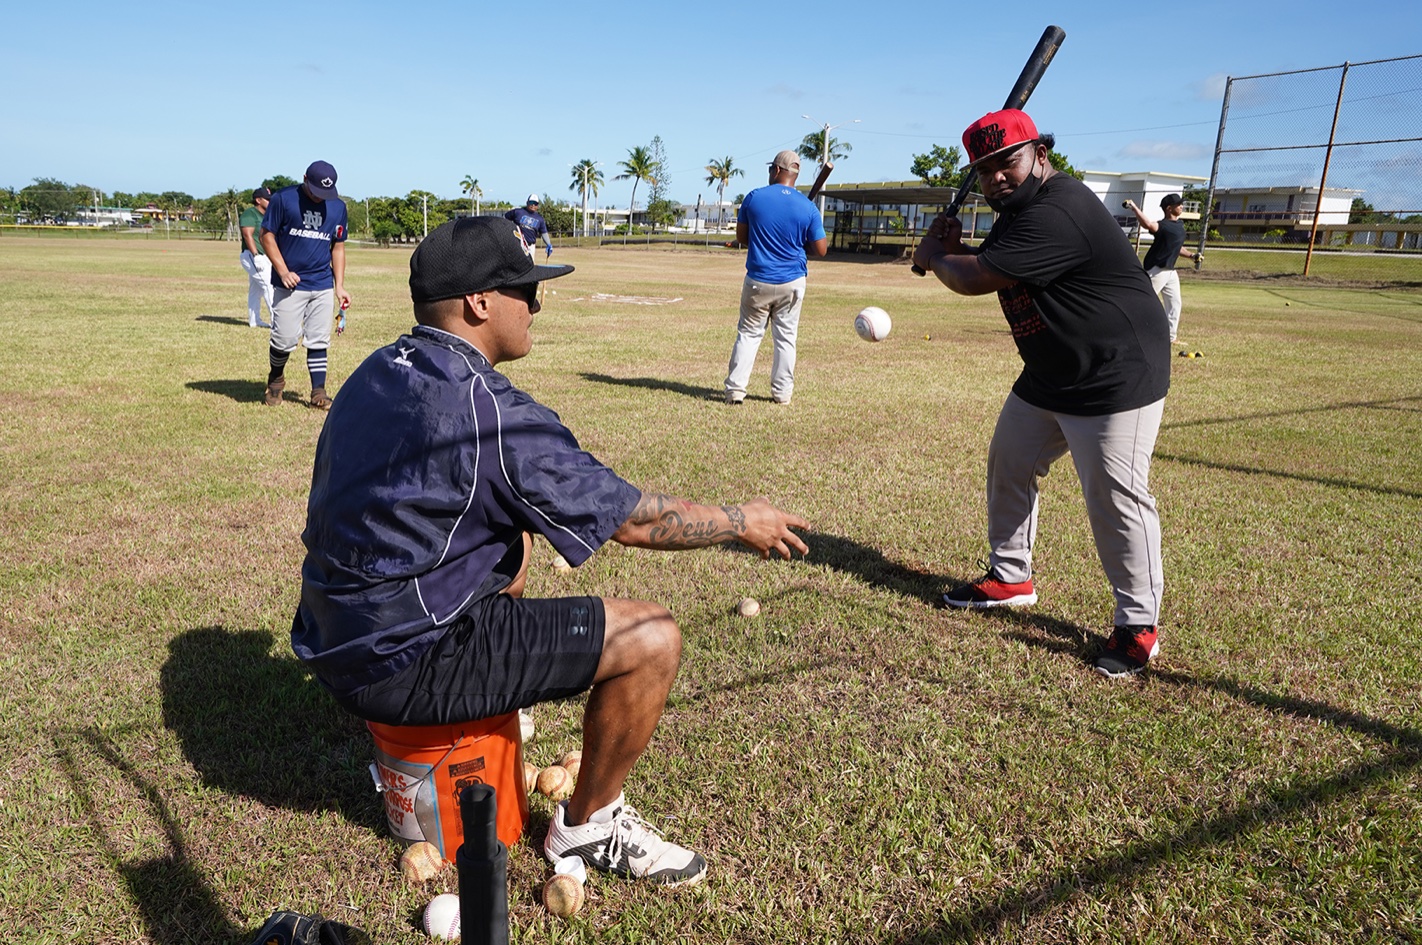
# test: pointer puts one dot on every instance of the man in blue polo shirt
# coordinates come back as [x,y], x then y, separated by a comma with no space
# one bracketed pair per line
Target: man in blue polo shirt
[304,235]
[779,225]
[431,475]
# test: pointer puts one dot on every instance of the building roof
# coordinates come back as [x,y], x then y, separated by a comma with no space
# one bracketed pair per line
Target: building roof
[913,192]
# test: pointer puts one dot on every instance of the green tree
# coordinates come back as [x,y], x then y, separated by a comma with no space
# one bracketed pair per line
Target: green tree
[417,207]
[470,186]
[1060,162]
[47,199]
[586,179]
[820,146]
[638,167]
[939,167]
[662,211]
[278,181]
[661,178]
[720,173]
[1363,212]
[559,216]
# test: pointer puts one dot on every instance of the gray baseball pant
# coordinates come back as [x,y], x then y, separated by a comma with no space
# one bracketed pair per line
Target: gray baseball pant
[1112,457]
[1166,284]
[299,314]
[779,306]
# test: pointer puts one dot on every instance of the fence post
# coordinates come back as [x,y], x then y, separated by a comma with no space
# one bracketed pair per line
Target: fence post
[1327,156]
[1214,172]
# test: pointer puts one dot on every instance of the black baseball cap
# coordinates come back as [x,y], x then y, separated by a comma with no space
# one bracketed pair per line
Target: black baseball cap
[321,180]
[474,254]
[262,193]
[1170,200]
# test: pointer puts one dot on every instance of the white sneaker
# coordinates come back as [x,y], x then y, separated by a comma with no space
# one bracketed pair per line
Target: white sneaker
[525,724]
[624,844]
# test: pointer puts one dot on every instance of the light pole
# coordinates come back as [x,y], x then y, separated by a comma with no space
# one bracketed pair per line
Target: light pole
[425,209]
[825,149]
[585,169]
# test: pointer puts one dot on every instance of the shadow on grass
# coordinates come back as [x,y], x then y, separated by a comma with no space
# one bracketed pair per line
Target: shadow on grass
[1113,872]
[871,567]
[1299,477]
[222,320]
[172,896]
[244,391]
[1390,403]
[655,383]
[262,727]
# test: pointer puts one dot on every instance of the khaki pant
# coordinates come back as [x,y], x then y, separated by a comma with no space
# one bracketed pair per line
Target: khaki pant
[764,304]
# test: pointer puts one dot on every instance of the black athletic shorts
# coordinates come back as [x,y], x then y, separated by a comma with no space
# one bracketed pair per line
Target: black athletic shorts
[504,653]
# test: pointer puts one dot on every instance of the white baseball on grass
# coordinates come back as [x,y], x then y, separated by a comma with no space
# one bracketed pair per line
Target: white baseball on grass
[873,323]
[442,917]
[560,563]
[748,607]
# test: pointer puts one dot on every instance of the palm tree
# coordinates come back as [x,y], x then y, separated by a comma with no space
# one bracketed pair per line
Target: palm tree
[817,143]
[639,166]
[471,187]
[720,174]
[586,177]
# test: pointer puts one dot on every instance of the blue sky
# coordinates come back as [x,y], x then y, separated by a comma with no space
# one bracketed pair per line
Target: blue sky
[193,97]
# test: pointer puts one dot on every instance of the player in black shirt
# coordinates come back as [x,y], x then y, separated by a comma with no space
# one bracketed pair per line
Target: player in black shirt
[1096,368]
[1169,245]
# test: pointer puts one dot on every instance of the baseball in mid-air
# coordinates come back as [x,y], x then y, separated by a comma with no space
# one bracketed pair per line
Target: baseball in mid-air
[442,917]
[873,323]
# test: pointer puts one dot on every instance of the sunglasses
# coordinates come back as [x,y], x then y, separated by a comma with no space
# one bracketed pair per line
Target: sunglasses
[528,292]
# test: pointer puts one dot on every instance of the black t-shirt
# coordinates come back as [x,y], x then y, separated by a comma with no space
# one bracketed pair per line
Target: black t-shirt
[1092,335]
[1166,249]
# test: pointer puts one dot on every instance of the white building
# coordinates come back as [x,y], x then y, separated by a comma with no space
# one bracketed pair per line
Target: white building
[1245,212]
[1146,188]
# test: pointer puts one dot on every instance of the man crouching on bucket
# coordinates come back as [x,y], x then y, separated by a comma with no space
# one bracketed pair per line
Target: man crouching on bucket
[431,475]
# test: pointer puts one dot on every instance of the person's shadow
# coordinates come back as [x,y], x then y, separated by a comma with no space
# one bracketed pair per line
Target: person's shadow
[259,725]
[222,320]
[244,391]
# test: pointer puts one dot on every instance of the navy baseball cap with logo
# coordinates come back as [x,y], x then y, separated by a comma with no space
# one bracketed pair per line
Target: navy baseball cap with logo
[996,132]
[321,180]
[474,254]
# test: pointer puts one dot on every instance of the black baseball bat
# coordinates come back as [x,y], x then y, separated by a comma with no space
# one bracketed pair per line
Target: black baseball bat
[819,183]
[1037,63]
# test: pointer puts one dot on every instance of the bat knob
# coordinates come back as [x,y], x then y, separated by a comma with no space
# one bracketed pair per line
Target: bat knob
[917,270]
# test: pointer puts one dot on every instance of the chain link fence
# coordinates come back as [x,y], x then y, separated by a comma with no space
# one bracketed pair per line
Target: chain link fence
[1319,172]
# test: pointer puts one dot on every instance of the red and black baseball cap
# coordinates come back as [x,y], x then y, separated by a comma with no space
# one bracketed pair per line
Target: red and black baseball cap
[996,132]
[474,254]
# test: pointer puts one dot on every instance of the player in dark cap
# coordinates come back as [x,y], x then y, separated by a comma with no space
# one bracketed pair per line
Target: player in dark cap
[254,260]
[1167,247]
[431,476]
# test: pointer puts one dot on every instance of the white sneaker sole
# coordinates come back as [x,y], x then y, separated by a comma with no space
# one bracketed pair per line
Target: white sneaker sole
[1021,600]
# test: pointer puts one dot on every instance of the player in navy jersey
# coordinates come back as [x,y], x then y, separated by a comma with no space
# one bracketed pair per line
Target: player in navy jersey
[533,225]
[304,235]
[431,475]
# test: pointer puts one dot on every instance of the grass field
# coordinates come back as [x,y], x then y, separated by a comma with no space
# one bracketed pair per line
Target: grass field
[857,764]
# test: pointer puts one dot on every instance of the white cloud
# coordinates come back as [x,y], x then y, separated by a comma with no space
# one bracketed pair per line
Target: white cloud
[1165,150]
[1211,88]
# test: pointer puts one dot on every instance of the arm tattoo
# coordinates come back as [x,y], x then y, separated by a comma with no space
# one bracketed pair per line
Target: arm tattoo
[671,528]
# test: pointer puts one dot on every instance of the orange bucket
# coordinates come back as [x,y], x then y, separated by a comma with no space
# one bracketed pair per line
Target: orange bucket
[421,770]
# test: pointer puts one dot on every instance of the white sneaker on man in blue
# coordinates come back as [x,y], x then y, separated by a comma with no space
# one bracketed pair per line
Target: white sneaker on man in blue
[617,840]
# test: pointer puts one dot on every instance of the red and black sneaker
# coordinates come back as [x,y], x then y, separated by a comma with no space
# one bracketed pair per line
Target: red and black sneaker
[991,591]
[1128,651]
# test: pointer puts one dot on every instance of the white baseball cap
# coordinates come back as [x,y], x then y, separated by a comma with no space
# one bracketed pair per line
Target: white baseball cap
[532,198]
